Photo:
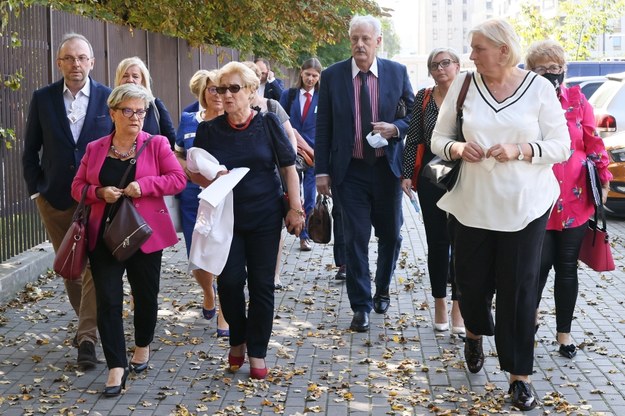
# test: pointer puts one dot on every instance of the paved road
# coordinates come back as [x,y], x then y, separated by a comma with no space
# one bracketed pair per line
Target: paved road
[400,367]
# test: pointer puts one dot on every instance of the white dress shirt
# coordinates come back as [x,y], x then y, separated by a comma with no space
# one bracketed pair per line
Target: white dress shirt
[76,108]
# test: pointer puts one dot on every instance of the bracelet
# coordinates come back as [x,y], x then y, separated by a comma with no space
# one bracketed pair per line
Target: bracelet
[299,211]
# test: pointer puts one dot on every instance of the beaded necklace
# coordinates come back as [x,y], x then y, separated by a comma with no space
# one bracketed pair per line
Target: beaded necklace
[241,126]
[124,155]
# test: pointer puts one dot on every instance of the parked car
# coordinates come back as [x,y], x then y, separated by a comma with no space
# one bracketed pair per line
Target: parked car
[588,85]
[615,145]
[609,105]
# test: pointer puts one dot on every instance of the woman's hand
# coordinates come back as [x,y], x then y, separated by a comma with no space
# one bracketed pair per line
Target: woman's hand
[406,186]
[503,152]
[133,190]
[110,194]
[469,152]
[200,179]
[295,221]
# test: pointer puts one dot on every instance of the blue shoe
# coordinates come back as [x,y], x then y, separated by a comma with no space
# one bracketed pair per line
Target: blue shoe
[209,313]
[223,333]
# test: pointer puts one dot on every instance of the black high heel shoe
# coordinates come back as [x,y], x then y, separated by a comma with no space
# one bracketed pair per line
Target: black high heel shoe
[568,351]
[140,367]
[114,391]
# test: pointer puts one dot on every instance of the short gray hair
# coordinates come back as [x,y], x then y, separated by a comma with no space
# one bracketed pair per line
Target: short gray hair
[72,36]
[359,20]
[501,33]
[129,92]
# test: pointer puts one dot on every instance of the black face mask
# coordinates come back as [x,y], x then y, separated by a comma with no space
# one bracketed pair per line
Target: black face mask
[555,79]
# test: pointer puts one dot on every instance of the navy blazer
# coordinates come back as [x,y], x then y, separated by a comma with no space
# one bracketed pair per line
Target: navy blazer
[307,127]
[47,129]
[273,90]
[163,125]
[334,139]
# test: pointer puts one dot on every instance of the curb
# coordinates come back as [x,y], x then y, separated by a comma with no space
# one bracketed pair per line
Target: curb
[24,268]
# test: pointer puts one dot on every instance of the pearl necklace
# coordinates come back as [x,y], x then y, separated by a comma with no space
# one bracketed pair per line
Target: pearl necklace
[124,155]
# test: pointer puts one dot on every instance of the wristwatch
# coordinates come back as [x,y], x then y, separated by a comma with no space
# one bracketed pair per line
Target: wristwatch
[521,155]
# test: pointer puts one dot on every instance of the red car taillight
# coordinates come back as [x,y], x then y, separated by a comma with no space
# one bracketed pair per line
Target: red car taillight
[605,122]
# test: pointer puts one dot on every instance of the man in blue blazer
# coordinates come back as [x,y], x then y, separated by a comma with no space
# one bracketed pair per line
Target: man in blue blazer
[270,86]
[356,97]
[301,105]
[63,118]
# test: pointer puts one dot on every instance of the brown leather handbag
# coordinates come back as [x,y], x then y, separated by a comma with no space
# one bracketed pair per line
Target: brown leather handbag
[70,260]
[320,221]
[127,230]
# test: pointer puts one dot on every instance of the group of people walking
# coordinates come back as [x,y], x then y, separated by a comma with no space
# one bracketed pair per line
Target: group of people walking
[519,208]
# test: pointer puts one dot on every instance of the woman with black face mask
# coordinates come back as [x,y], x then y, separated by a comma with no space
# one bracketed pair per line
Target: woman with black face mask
[568,221]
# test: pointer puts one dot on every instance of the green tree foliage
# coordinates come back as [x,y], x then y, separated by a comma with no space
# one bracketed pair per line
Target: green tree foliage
[279,29]
[390,39]
[576,26]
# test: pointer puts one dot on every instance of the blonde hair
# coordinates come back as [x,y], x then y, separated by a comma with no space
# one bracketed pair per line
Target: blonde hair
[548,50]
[197,82]
[248,76]
[134,61]
[501,33]
[252,65]
[211,77]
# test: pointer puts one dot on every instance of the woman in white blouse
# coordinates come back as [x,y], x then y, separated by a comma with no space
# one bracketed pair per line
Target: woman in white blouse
[515,130]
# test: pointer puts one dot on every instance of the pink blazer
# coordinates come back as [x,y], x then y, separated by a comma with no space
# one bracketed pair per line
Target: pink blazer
[158,173]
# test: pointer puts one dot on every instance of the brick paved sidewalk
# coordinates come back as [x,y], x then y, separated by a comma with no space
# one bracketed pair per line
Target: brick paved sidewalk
[400,367]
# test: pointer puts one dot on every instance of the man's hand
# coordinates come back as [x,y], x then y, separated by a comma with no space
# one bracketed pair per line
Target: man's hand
[323,185]
[386,130]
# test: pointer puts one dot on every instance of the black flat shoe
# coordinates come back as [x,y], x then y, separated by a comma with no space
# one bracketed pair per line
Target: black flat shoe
[360,322]
[568,351]
[474,354]
[521,396]
[114,391]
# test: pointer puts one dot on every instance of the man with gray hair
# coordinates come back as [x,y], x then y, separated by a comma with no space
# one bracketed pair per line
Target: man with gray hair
[63,117]
[359,96]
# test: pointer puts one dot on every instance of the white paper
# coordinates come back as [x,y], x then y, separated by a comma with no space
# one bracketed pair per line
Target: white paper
[217,191]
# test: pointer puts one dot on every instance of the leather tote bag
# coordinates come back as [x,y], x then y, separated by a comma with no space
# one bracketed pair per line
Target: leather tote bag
[320,221]
[596,251]
[444,173]
[71,257]
[125,230]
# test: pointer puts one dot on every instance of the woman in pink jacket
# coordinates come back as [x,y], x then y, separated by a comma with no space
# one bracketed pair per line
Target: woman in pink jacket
[568,221]
[156,173]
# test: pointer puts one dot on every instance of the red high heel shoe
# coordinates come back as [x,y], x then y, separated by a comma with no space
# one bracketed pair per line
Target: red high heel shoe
[235,362]
[258,373]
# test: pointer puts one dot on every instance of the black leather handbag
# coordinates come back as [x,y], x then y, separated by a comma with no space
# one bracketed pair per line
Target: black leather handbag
[444,173]
[125,229]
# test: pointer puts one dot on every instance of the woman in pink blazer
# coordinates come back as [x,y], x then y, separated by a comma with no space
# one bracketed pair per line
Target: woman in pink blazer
[156,173]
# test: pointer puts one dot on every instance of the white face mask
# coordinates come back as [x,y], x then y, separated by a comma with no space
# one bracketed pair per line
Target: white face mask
[376,140]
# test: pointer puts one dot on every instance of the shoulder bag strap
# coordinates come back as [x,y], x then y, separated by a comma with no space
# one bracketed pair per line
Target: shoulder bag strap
[132,162]
[460,103]
[273,149]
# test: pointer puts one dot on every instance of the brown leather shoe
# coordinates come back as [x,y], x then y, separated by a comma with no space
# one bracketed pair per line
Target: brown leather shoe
[473,354]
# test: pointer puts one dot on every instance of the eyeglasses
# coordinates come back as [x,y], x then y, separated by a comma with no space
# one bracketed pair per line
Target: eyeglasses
[442,64]
[83,59]
[553,69]
[129,112]
[213,90]
[232,88]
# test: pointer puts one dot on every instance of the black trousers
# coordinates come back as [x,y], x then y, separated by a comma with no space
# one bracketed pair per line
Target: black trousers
[561,250]
[506,263]
[439,243]
[143,272]
[252,259]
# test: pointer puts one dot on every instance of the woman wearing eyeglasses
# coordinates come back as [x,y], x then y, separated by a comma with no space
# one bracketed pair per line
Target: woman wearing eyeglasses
[212,106]
[444,65]
[157,121]
[239,138]
[156,173]
[569,217]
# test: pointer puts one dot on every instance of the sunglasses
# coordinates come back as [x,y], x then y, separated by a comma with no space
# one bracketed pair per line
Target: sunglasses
[442,64]
[212,90]
[232,88]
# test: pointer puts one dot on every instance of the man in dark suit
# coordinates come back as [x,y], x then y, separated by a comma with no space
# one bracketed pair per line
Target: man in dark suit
[270,86]
[63,118]
[356,97]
